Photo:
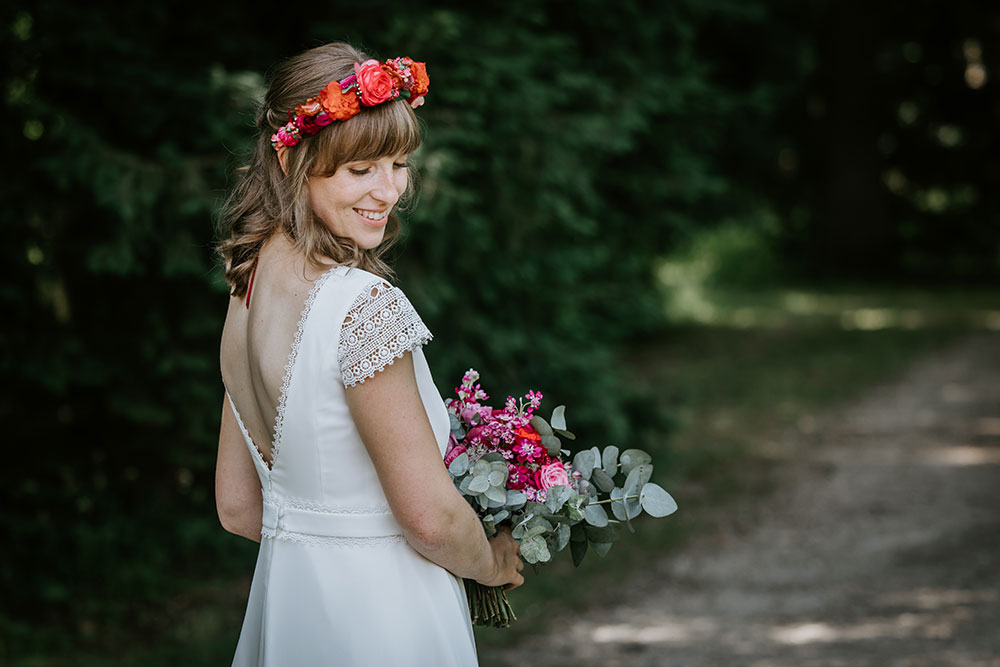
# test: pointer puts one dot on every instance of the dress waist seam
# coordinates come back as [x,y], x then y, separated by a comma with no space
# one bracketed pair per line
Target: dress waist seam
[279,518]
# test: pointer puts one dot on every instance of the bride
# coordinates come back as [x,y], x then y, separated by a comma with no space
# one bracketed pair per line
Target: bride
[330,450]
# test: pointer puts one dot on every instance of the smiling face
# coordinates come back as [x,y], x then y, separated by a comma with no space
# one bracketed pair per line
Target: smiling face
[355,201]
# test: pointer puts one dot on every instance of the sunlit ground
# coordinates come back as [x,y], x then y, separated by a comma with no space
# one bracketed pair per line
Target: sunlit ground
[864,308]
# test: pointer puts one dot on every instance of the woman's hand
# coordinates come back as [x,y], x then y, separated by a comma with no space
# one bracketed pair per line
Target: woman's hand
[508,561]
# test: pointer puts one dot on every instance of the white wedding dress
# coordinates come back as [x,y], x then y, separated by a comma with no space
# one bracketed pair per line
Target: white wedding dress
[336,582]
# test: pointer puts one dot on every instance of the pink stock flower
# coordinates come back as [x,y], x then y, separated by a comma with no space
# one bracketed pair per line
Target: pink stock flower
[375,83]
[551,474]
[475,433]
[518,477]
[528,451]
[454,454]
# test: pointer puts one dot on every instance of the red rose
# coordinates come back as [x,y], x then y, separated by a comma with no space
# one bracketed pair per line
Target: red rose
[338,105]
[376,84]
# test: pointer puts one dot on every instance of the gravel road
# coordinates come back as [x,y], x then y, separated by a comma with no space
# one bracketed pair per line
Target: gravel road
[880,548]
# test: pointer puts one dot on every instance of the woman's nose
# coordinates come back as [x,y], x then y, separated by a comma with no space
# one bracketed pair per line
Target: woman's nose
[384,189]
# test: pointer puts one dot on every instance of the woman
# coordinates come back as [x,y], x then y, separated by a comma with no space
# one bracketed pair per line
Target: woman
[330,451]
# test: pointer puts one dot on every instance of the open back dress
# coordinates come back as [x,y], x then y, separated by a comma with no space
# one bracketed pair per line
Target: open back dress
[336,583]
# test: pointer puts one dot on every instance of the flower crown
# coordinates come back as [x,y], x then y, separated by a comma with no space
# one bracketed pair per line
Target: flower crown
[371,84]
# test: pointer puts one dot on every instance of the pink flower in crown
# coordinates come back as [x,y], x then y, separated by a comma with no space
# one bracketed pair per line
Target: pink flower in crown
[287,134]
[551,474]
[375,83]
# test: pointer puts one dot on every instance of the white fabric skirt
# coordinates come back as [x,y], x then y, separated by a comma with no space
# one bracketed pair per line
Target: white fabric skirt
[376,602]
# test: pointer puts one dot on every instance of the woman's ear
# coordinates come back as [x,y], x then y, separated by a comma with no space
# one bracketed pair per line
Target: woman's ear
[283,159]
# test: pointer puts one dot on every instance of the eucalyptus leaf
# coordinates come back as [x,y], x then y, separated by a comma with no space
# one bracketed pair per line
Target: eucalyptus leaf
[483,501]
[602,480]
[631,458]
[569,435]
[515,499]
[489,525]
[633,507]
[453,422]
[552,444]
[595,515]
[656,501]
[481,467]
[497,495]
[493,458]
[537,526]
[609,460]
[463,486]
[518,531]
[558,420]
[497,478]
[605,533]
[534,550]
[557,496]
[577,533]
[583,463]
[479,483]
[617,504]
[460,465]
[574,507]
[500,516]
[562,536]
[597,456]
[637,477]
[578,548]
[602,548]
[541,426]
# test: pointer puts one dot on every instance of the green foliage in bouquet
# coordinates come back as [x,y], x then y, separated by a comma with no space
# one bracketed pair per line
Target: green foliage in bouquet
[511,467]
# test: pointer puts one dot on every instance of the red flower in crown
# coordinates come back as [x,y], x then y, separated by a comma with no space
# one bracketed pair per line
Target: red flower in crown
[375,83]
[421,82]
[339,105]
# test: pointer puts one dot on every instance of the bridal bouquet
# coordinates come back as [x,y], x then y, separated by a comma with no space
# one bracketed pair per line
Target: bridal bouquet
[510,465]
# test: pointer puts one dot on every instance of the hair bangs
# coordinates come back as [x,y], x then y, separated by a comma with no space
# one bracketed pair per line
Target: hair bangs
[387,130]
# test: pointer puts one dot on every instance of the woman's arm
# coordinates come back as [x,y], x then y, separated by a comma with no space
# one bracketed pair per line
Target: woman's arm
[436,520]
[238,496]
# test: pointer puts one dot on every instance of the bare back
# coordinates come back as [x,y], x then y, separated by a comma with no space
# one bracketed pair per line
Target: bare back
[257,341]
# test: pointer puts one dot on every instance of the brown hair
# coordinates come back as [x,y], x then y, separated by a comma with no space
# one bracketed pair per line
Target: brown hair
[267,200]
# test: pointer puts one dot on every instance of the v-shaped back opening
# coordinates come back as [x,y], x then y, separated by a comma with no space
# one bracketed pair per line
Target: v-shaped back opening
[259,356]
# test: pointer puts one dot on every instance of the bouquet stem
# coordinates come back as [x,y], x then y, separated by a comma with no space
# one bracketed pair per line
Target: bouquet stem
[488,605]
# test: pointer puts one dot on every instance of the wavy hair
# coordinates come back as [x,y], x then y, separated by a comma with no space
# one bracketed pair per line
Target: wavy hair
[266,199]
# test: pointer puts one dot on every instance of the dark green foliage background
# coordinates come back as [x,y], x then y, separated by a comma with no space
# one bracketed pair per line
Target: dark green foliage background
[569,147]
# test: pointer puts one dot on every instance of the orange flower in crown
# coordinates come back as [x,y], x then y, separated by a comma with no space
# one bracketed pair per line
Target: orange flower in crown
[338,104]
[372,83]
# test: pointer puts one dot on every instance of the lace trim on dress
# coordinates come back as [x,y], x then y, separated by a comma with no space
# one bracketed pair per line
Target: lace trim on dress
[380,327]
[279,417]
[300,504]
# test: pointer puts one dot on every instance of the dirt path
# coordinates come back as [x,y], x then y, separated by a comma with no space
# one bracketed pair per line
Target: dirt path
[881,549]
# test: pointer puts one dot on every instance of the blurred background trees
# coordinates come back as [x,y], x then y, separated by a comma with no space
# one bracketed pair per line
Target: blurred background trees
[570,148]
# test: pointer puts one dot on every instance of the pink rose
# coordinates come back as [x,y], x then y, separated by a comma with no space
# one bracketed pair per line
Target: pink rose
[454,454]
[376,84]
[551,474]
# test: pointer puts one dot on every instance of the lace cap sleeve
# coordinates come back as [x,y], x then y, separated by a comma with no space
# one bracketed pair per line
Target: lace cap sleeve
[381,325]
